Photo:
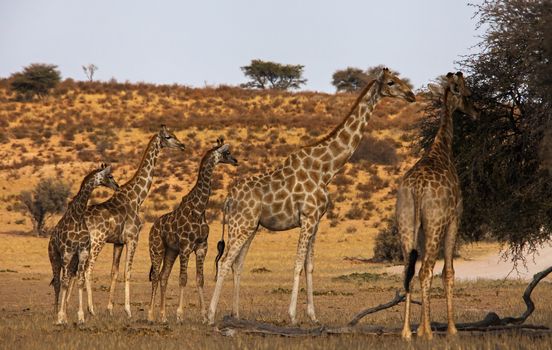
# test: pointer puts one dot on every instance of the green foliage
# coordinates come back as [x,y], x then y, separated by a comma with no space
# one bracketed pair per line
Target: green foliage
[48,197]
[350,79]
[503,158]
[272,75]
[36,79]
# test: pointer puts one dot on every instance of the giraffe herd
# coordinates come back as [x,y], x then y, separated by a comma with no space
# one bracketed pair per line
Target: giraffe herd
[292,195]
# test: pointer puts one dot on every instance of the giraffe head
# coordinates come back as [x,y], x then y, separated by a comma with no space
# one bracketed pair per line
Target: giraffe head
[168,139]
[103,177]
[222,154]
[456,95]
[392,86]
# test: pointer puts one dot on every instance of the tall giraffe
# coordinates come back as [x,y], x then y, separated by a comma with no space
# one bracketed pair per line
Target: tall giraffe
[69,245]
[117,220]
[429,197]
[183,231]
[295,194]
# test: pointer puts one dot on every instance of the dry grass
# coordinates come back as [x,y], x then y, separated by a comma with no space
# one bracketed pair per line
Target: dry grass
[342,288]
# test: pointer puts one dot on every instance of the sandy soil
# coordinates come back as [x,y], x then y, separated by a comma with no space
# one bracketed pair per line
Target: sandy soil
[493,266]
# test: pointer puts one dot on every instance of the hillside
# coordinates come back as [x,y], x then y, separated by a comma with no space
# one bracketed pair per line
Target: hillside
[81,124]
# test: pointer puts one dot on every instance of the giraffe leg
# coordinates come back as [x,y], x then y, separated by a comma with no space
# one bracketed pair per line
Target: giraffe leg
[70,289]
[117,251]
[448,273]
[72,273]
[426,278]
[184,258]
[233,250]
[83,258]
[157,252]
[237,267]
[309,268]
[408,224]
[201,252]
[131,249]
[308,229]
[65,276]
[168,262]
[55,261]
[95,250]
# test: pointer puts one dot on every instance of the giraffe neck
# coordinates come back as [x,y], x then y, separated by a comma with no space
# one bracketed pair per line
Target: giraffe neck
[77,206]
[137,188]
[342,142]
[201,191]
[442,144]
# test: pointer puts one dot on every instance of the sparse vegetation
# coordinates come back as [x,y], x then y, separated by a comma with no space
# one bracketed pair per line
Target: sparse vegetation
[47,198]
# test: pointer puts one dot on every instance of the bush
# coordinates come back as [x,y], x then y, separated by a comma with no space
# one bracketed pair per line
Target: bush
[388,245]
[376,151]
[36,79]
[47,198]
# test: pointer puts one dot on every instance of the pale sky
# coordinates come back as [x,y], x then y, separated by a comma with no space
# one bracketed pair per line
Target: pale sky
[197,42]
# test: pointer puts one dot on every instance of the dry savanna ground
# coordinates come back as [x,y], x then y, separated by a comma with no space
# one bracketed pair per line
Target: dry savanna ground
[67,134]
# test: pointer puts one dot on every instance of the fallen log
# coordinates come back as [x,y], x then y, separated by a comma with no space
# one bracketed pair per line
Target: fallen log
[492,323]
[491,319]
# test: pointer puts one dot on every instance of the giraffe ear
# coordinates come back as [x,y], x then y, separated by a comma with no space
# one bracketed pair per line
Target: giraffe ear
[436,90]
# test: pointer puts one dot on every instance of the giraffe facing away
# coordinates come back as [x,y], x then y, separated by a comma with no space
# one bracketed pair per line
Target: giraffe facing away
[117,220]
[183,231]
[429,198]
[69,245]
[295,194]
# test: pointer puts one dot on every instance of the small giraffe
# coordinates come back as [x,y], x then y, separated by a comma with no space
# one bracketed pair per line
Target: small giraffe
[295,194]
[429,197]
[183,231]
[69,245]
[117,220]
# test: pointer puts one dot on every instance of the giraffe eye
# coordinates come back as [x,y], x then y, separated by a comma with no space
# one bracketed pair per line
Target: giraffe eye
[391,83]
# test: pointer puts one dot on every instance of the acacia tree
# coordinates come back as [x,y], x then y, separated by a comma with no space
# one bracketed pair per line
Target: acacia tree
[350,79]
[353,79]
[37,79]
[47,198]
[272,75]
[502,158]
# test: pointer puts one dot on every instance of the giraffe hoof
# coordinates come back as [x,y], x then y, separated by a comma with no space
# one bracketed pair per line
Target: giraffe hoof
[91,312]
[406,335]
[452,331]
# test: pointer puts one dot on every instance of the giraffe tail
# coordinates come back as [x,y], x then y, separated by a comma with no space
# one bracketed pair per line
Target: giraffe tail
[151,273]
[221,244]
[410,269]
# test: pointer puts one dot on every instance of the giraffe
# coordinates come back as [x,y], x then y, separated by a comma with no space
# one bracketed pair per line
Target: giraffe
[429,197]
[183,231]
[295,194]
[117,220]
[69,245]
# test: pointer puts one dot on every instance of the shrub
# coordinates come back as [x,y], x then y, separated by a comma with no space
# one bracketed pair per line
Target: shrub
[388,245]
[376,151]
[36,79]
[47,198]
